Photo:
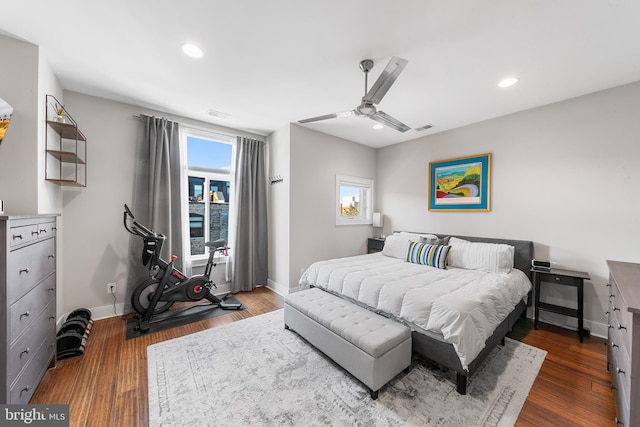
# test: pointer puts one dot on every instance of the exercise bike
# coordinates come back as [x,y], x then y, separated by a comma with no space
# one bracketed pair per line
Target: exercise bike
[174,285]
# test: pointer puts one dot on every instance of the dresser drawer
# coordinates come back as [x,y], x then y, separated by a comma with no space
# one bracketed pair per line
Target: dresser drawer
[28,380]
[46,229]
[42,333]
[28,266]
[622,318]
[25,311]
[620,368]
[22,234]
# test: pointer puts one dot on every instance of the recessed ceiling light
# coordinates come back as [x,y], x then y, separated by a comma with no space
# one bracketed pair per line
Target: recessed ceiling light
[509,81]
[377,127]
[192,50]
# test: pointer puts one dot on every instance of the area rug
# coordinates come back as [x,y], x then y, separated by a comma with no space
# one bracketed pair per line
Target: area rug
[254,372]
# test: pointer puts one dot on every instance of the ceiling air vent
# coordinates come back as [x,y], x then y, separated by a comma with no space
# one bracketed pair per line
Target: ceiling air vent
[425,127]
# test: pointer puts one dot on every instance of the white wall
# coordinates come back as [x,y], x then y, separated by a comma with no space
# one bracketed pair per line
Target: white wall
[19,149]
[279,206]
[316,158]
[564,175]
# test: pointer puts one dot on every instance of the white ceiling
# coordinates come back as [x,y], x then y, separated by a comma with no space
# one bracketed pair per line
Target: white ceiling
[271,62]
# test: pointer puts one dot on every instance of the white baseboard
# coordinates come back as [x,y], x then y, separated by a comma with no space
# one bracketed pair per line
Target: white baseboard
[278,288]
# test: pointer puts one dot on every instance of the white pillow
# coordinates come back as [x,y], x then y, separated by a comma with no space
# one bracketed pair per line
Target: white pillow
[396,245]
[488,257]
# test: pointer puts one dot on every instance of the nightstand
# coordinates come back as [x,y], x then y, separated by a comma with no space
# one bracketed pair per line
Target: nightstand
[375,244]
[557,276]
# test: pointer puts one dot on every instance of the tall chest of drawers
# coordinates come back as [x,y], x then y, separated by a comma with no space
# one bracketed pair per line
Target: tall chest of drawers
[27,303]
[623,354]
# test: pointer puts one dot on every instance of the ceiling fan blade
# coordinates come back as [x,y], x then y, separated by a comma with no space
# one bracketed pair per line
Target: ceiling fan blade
[386,79]
[387,120]
[327,116]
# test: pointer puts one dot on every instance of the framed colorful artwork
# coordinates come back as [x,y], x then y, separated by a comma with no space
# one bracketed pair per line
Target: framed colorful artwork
[461,184]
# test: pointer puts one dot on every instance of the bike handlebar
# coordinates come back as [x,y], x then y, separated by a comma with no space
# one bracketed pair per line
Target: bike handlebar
[137,228]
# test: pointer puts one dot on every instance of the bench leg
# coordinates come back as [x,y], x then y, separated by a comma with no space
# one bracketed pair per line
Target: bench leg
[374,394]
[461,383]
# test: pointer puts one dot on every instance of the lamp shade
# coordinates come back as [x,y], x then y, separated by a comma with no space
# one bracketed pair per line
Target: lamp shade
[377,219]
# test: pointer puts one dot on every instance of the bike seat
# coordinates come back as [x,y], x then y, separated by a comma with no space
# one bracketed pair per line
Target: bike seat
[216,244]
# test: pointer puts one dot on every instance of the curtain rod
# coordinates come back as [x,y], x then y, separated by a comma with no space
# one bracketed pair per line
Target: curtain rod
[198,128]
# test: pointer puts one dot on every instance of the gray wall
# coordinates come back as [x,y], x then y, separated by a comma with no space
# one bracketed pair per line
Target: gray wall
[316,158]
[564,175]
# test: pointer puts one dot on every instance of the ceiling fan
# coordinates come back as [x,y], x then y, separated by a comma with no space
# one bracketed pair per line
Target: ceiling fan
[373,96]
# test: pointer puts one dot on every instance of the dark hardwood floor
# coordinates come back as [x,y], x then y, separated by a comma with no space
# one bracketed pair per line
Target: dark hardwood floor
[107,386]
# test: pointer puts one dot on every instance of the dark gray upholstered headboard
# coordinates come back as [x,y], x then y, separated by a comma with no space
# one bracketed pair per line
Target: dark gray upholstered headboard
[523,249]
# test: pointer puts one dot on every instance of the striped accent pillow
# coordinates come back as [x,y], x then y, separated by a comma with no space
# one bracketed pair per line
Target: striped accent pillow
[426,254]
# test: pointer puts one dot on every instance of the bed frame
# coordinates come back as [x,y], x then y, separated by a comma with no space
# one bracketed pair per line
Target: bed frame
[433,347]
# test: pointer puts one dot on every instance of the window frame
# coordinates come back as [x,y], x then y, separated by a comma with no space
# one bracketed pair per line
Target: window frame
[367,187]
[208,174]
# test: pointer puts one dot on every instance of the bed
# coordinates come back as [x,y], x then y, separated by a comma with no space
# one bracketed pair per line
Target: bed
[460,295]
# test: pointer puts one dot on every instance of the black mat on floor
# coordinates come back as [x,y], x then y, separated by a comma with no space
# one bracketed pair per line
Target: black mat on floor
[178,317]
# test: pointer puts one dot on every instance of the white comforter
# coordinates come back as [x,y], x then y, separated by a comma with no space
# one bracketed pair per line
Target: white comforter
[465,306]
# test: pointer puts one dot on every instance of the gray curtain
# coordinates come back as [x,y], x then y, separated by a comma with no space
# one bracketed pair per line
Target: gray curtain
[156,195]
[249,266]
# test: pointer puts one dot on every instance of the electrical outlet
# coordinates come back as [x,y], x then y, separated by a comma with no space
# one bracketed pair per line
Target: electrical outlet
[111,288]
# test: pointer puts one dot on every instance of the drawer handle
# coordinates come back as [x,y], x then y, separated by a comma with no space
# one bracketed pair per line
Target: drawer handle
[620,371]
[51,289]
[43,230]
[608,285]
[611,296]
[54,228]
[618,422]
[622,327]
[614,345]
[52,317]
[25,351]
[613,387]
[17,236]
[25,314]
[35,232]
[610,326]
[615,308]
[24,270]
[27,388]
[51,256]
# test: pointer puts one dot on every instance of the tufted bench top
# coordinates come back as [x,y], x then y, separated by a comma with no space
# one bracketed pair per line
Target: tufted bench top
[365,329]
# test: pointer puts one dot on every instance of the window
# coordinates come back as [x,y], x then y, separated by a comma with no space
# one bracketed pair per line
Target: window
[209,190]
[354,200]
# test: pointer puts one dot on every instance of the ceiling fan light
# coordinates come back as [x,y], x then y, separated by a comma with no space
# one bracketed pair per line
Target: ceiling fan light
[507,82]
[192,50]
[378,127]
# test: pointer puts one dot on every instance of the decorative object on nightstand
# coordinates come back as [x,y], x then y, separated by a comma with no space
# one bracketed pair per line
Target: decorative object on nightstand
[623,361]
[378,222]
[560,276]
[375,244]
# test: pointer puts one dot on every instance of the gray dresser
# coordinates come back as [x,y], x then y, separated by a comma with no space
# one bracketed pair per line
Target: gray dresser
[27,303]
[623,356]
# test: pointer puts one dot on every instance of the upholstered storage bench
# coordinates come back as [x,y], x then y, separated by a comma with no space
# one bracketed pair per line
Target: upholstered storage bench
[371,347]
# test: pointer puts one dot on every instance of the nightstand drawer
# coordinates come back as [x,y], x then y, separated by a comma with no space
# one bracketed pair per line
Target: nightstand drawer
[562,280]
